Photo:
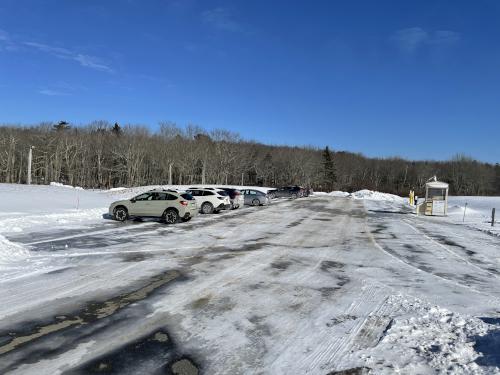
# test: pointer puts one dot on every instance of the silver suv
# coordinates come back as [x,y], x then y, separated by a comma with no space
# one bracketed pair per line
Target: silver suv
[169,205]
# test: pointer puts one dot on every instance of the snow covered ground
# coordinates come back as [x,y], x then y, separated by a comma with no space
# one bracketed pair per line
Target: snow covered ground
[315,285]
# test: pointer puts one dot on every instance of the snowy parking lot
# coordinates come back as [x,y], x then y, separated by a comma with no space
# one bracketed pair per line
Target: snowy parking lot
[314,285]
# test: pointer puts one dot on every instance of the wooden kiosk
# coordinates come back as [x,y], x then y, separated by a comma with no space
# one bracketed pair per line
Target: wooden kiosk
[436,199]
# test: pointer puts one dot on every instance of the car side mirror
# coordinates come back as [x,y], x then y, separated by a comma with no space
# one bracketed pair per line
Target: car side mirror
[132,200]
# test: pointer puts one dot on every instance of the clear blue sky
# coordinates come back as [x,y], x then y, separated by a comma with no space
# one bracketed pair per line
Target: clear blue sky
[414,79]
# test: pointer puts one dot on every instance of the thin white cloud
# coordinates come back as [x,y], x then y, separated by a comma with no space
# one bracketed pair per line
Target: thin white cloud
[9,43]
[64,53]
[412,39]
[49,92]
[409,40]
[221,19]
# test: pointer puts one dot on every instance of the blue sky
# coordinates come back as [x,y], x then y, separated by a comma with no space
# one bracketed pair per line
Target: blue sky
[385,78]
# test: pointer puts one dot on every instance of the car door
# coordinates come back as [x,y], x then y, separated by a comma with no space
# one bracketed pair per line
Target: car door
[250,196]
[141,204]
[158,204]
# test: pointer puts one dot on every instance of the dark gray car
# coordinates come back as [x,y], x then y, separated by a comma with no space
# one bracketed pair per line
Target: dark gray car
[255,197]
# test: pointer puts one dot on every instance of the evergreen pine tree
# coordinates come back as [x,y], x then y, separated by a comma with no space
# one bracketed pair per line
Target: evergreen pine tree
[330,175]
[116,129]
[497,179]
[62,125]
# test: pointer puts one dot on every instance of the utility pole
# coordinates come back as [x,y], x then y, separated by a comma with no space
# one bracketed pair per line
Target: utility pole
[170,174]
[242,175]
[30,157]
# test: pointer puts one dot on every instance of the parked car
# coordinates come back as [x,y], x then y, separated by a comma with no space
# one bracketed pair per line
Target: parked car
[289,192]
[271,193]
[235,197]
[255,197]
[168,205]
[210,201]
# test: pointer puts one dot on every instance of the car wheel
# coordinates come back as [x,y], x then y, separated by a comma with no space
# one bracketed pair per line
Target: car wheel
[294,196]
[170,216]
[120,214]
[207,208]
[255,202]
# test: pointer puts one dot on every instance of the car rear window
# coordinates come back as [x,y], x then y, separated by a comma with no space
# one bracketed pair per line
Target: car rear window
[222,192]
[187,196]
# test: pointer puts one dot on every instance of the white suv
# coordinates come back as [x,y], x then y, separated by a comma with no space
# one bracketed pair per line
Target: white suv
[169,205]
[210,201]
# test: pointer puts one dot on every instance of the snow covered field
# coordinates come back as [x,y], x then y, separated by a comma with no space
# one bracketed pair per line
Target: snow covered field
[314,285]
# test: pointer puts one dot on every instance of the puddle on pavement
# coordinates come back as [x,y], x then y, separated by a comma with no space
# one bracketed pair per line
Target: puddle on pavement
[155,353]
[89,314]
[352,371]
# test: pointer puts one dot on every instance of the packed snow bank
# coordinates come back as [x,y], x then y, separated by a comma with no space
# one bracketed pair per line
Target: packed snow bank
[364,194]
[10,252]
[66,186]
[424,338]
[378,196]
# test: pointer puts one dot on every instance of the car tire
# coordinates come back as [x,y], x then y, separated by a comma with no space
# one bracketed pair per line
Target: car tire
[120,214]
[207,208]
[293,196]
[255,202]
[170,216]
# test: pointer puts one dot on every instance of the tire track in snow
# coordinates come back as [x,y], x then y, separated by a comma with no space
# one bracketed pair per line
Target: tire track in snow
[448,250]
[409,265]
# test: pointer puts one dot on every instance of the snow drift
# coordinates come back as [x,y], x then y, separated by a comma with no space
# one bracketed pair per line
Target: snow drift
[11,252]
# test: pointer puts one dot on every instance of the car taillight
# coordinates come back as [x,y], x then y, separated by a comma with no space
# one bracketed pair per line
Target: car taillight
[184,203]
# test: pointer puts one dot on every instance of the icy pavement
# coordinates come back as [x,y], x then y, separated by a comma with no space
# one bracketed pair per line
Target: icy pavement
[311,286]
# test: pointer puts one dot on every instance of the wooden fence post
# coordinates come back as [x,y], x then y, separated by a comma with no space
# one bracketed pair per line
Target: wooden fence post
[492,217]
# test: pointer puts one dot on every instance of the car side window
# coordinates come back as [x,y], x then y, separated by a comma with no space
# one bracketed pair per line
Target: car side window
[171,197]
[205,193]
[144,197]
[253,192]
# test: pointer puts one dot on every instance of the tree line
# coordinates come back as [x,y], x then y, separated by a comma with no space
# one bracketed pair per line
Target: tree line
[105,155]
